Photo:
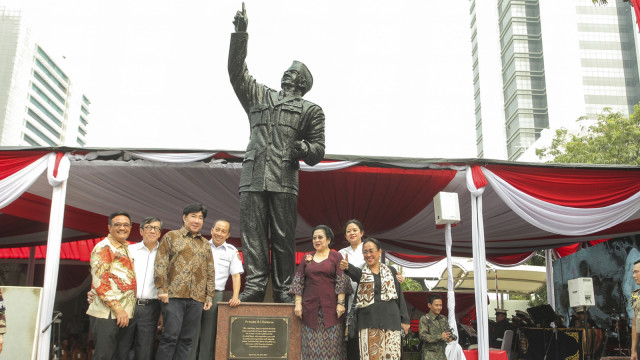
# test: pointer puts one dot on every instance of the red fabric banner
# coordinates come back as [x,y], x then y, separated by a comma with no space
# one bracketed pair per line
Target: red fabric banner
[13,161]
[636,9]
[587,188]
[380,198]
[508,260]
[563,251]
[37,208]
[479,180]
[417,258]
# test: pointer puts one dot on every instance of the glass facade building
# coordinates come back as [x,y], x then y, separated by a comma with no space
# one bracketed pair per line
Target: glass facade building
[553,62]
[39,104]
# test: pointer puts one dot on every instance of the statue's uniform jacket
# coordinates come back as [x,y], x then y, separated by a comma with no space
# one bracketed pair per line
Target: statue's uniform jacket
[270,162]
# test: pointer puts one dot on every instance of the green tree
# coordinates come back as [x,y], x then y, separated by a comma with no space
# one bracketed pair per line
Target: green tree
[613,139]
[539,296]
[410,284]
[538,259]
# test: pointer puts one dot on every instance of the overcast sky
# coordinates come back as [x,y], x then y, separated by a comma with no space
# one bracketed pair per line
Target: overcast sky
[394,78]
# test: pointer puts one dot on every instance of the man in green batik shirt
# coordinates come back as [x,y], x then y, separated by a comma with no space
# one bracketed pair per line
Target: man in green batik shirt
[434,330]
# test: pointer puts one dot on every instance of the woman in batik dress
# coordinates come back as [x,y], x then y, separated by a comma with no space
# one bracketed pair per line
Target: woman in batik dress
[382,311]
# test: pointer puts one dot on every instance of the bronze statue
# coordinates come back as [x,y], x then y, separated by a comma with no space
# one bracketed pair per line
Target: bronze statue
[284,129]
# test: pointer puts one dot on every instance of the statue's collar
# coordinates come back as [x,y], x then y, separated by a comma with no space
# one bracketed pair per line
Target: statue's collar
[283,98]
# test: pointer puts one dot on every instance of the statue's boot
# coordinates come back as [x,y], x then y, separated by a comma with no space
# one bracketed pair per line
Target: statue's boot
[248,296]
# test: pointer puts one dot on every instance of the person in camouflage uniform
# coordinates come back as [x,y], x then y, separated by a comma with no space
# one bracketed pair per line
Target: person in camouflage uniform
[635,305]
[434,330]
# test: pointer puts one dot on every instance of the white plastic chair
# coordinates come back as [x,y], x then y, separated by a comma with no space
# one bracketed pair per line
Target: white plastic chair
[507,339]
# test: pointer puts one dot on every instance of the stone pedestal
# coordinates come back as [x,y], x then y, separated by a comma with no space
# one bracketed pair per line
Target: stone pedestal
[258,331]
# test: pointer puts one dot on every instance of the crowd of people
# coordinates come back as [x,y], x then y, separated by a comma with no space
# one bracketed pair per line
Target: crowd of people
[327,283]
[169,284]
[176,282]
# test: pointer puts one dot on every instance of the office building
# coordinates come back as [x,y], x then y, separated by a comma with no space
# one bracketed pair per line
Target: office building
[542,64]
[39,103]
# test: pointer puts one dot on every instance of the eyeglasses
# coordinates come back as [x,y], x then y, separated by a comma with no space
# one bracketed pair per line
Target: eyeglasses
[152,228]
[371,251]
[124,225]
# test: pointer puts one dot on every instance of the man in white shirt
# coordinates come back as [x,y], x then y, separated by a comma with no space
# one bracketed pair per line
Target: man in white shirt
[147,308]
[147,312]
[227,262]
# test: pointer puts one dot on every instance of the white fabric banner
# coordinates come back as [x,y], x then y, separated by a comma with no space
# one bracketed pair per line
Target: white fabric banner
[54,241]
[562,219]
[479,267]
[14,185]
[171,157]
[327,166]
[453,351]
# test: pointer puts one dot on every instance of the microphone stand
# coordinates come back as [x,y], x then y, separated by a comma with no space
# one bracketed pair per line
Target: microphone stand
[546,352]
[55,334]
[57,316]
[586,332]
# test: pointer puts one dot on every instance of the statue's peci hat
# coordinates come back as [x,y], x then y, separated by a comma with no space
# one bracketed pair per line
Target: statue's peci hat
[304,71]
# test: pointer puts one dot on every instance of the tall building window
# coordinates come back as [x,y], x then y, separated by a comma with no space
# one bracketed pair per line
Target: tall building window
[45,111]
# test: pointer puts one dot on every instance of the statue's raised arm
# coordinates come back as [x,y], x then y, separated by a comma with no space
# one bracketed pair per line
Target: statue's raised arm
[241,21]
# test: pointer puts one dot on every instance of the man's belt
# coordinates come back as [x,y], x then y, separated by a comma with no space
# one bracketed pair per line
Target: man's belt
[143,302]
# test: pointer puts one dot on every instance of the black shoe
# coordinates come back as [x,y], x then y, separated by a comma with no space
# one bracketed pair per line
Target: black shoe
[283,298]
[246,296]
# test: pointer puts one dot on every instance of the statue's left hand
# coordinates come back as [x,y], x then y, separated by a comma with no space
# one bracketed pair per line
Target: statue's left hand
[241,21]
[301,148]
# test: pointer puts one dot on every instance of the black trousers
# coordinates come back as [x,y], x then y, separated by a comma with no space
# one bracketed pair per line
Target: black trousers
[262,214]
[111,341]
[143,325]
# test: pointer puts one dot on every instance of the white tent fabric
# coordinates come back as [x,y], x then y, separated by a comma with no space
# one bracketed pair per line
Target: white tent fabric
[15,185]
[171,157]
[551,299]
[58,179]
[453,350]
[516,279]
[480,265]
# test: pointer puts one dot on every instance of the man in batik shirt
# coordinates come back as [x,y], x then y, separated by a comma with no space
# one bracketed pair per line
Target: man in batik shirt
[114,281]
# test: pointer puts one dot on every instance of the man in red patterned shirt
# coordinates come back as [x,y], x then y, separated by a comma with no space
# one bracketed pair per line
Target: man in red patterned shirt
[114,281]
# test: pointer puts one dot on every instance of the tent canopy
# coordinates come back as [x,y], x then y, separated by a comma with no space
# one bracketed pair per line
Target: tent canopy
[520,279]
[506,209]
[392,197]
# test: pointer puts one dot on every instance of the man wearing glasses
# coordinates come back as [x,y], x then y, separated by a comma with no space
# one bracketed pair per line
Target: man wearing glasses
[147,310]
[114,281]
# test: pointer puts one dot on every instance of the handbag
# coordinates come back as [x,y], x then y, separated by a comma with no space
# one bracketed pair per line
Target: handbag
[351,328]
